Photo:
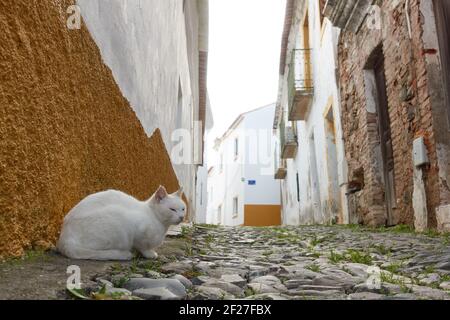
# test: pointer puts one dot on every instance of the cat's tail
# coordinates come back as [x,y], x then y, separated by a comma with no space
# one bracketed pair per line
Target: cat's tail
[76,252]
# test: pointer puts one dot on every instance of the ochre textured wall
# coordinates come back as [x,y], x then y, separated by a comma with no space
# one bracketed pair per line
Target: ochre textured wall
[262,215]
[65,129]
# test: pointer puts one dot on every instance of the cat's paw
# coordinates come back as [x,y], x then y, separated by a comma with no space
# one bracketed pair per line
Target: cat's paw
[150,254]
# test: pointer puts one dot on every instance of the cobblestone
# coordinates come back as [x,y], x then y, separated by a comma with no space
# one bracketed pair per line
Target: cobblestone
[313,262]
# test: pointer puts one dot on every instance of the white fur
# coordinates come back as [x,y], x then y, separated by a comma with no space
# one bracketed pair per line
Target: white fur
[108,225]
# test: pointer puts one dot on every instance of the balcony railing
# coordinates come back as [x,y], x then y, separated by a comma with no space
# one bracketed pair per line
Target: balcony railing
[288,141]
[300,82]
[280,165]
[280,170]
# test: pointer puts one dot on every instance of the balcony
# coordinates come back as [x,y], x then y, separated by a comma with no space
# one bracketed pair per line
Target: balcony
[280,171]
[348,14]
[280,166]
[288,141]
[300,84]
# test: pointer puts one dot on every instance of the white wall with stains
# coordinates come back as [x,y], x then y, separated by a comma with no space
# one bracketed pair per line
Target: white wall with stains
[145,44]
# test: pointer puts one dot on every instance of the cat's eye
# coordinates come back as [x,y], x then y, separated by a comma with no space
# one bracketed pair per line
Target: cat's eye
[174,210]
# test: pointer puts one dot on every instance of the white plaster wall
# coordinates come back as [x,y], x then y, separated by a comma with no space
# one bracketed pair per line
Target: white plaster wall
[227,183]
[259,161]
[144,43]
[316,205]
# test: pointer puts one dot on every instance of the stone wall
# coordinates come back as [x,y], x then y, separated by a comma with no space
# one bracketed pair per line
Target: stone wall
[413,111]
[66,130]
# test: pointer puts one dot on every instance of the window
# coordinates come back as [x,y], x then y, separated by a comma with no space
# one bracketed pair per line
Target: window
[235,207]
[179,107]
[236,148]
[298,187]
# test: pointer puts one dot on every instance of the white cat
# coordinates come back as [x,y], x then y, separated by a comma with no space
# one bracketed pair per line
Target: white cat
[108,225]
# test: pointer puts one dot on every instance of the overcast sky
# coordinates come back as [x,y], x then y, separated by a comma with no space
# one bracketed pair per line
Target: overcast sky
[244,54]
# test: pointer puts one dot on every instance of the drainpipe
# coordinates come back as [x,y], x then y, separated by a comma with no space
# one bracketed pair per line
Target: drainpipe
[408,19]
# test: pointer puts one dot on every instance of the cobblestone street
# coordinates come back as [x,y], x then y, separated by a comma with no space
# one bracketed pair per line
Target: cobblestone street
[206,262]
[295,263]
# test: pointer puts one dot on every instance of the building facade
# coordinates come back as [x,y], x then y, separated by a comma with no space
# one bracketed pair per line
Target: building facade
[394,86]
[310,158]
[201,206]
[241,187]
[100,104]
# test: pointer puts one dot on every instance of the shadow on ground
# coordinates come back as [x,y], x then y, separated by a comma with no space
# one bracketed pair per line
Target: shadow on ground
[42,276]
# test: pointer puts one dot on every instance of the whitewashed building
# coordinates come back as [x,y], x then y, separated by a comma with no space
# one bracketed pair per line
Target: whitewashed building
[310,155]
[241,187]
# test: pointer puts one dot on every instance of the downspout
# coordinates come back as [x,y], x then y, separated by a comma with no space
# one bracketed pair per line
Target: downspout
[419,190]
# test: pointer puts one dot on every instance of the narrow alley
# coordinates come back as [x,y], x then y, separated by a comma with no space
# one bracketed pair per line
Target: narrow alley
[204,150]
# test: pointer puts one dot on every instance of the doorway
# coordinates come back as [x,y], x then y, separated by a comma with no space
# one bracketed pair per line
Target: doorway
[384,130]
[442,12]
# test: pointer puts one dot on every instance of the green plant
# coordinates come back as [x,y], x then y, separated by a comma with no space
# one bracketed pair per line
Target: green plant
[208,226]
[120,282]
[209,239]
[187,232]
[401,228]
[382,249]
[116,268]
[313,267]
[189,250]
[250,292]
[388,277]
[315,240]
[336,257]
[445,277]
[358,257]
[78,293]
[193,273]
[446,239]
[429,269]
[405,289]
[29,256]
[394,267]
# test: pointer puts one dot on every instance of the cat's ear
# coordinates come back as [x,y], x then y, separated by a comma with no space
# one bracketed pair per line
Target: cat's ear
[179,193]
[161,193]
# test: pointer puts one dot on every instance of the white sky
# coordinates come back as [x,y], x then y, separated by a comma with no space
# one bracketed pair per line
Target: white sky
[244,54]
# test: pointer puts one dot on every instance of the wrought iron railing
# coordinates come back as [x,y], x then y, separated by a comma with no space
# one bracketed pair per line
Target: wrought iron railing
[287,136]
[300,72]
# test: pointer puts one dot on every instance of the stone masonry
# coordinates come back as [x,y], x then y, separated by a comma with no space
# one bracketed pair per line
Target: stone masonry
[415,107]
